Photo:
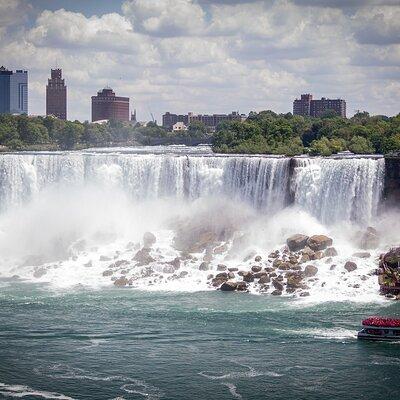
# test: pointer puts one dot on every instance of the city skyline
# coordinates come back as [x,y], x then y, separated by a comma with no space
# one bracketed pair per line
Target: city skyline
[206,55]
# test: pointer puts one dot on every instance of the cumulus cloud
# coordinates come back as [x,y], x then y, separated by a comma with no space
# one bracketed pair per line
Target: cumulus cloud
[165,17]
[211,55]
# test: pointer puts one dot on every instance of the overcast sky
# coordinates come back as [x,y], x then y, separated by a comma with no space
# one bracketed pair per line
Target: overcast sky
[207,56]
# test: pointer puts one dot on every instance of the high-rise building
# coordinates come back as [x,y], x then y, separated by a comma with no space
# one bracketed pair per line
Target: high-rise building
[106,105]
[13,91]
[306,106]
[56,95]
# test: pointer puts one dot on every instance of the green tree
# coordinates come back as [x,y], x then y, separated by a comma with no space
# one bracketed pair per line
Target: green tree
[361,145]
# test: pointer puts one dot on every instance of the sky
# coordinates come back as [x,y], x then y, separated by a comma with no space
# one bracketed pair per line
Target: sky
[207,56]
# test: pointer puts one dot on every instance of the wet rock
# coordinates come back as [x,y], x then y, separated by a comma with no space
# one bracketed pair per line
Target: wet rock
[264,279]
[182,274]
[294,279]
[207,257]
[168,269]
[297,242]
[319,242]
[221,249]
[290,289]
[362,254]
[277,292]
[204,266]
[241,286]
[210,276]
[304,258]
[332,267]
[148,240]
[231,275]
[318,255]
[175,263]
[89,264]
[257,258]
[369,239]
[222,267]
[256,268]
[248,277]
[392,258]
[120,282]
[249,256]
[107,272]
[310,270]
[277,285]
[304,294]
[105,258]
[222,275]
[350,266]
[330,252]
[142,257]
[285,266]
[228,286]
[234,269]
[274,254]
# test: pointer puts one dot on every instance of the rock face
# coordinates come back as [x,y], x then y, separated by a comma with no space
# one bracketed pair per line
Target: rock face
[148,239]
[350,266]
[319,242]
[297,242]
[389,273]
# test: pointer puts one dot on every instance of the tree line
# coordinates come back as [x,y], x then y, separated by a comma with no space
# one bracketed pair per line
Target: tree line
[22,132]
[261,133]
[270,133]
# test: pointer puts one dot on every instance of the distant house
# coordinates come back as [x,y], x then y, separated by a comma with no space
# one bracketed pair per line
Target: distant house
[179,126]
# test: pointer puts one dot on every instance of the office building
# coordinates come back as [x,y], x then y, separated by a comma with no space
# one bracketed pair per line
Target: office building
[56,95]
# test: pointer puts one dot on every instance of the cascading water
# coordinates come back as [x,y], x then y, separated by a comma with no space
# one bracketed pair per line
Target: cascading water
[70,218]
[335,190]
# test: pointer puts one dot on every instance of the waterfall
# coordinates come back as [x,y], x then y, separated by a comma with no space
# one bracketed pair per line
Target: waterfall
[259,181]
[339,189]
[330,189]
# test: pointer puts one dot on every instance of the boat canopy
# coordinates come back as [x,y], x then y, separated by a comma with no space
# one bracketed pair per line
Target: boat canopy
[382,322]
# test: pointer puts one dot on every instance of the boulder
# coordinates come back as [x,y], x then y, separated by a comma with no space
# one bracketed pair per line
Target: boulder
[310,270]
[120,282]
[234,269]
[350,266]
[248,277]
[277,285]
[318,255]
[277,292]
[241,286]
[257,258]
[392,258]
[304,294]
[319,242]
[231,275]
[142,257]
[285,266]
[120,263]
[148,239]
[107,272]
[264,279]
[222,275]
[362,254]
[168,269]
[330,252]
[228,286]
[369,239]
[204,266]
[296,242]
[182,274]
[294,279]
[304,258]
[256,268]
[218,281]
[274,254]
[221,267]
[176,263]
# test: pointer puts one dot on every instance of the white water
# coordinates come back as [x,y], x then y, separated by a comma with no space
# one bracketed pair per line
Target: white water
[66,217]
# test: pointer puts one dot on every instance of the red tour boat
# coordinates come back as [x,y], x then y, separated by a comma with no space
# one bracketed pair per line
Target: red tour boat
[380,328]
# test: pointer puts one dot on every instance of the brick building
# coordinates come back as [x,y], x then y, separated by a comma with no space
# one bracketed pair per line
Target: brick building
[209,120]
[56,95]
[106,105]
[306,106]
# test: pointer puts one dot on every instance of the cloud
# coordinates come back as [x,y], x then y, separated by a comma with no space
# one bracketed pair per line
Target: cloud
[165,17]
[377,25]
[210,55]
